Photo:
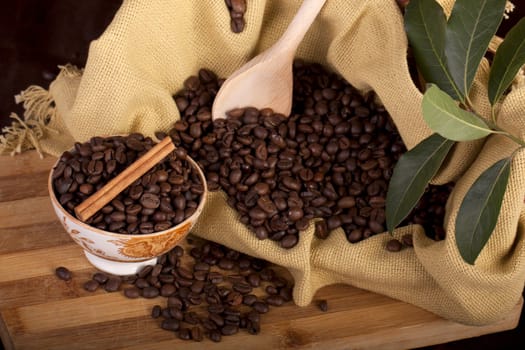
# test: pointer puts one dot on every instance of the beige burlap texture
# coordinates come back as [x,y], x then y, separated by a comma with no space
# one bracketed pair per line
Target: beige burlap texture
[152,46]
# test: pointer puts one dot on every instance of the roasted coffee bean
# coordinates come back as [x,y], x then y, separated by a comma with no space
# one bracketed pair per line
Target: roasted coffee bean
[229,329]
[249,299]
[100,277]
[184,334]
[275,300]
[150,292]
[260,307]
[176,313]
[215,335]
[112,284]
[237,24]
[407,240]
[289,241]
[167,289]
[321,229]
[191,318]
[393,245]
[156,311]
[254,279]
[170,324]
[91,285]
[132,292]
[63,273]
[323,305]
[196,334]
[242,287]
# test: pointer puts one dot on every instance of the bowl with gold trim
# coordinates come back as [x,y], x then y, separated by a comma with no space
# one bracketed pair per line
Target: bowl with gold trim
[125,252]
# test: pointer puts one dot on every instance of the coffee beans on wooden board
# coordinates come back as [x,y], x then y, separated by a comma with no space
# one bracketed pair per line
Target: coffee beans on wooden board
[237,9]
[166,195]
[211,291]
[331,159]
[63,273]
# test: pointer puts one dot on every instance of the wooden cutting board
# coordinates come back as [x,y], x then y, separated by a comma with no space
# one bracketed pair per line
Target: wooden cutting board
[38,311]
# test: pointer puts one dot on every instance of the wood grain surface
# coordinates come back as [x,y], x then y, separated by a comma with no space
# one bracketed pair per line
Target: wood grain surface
[38,311]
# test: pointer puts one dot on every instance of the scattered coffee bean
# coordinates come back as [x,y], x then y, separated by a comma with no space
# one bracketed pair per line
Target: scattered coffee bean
[229,329]
[407,240]
[91,285]
[323,305]
[184,334]
[155,311]
[196,334]
[63,273]
[393,245]
[132,292]
[237,9]
[215,335]
[100,277]
[112,284]
[170,324]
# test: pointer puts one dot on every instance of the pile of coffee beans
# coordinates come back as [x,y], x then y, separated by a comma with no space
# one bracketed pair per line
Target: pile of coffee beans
[237,9]
[166,195]
[213,291]
[429,212]
[331,159]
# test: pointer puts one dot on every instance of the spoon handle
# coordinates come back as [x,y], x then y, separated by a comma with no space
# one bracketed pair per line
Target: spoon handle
[300,24]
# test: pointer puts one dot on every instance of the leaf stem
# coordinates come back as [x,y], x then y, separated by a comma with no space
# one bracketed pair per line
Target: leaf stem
[493,115]
[499,130]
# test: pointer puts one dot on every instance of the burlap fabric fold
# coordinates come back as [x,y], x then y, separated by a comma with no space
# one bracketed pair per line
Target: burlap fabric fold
[142,59]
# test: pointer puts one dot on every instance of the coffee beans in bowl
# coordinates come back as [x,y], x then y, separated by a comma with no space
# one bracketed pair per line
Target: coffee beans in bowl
[145,220]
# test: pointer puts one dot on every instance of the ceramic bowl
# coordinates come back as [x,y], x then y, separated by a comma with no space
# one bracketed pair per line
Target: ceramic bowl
[124,254]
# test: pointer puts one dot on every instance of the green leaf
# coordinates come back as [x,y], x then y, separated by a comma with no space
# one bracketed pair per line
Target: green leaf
[471,26]
[411,175]
[479,211]
[425,24]
[508,60]
[444,116]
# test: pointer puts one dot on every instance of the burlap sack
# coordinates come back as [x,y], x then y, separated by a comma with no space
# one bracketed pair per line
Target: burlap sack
[152,46]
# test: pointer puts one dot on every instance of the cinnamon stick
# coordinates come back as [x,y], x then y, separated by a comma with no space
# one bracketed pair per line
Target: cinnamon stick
[108,192]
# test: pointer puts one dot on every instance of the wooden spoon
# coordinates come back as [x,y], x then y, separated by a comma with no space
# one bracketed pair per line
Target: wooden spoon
[267,80]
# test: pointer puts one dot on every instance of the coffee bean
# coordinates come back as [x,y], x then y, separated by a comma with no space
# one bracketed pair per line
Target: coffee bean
[242,287]
[184,334]
[196,334]
[321,229]
[237,25]
[249,299]
[132,292]
[260,307]
[323,305]
[407,240]
[289,241]
[155,311]
[393,245]
[63,273]
[215,335]
[217,319]
[229,329]
[112,284]
[170,325]
[275,300]
[91,285]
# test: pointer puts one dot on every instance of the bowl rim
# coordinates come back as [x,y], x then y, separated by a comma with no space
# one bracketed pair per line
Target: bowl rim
[192,217]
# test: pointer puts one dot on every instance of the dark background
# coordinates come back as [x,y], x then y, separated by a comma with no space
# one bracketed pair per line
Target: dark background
[38,35]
